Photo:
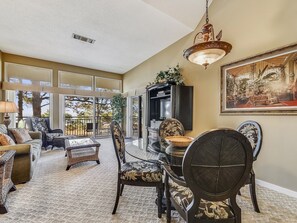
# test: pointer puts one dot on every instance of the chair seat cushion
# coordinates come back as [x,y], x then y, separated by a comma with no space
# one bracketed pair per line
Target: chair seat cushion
[141,171]
[35,142]
[51,136]
[183,196]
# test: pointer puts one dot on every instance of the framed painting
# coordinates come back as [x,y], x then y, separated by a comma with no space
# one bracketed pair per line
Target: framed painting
[263,84]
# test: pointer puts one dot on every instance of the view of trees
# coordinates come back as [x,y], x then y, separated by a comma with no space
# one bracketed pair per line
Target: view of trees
[79,111]
[79,116]
[33,104]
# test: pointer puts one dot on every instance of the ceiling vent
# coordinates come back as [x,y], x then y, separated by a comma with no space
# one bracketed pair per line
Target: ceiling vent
[83,38]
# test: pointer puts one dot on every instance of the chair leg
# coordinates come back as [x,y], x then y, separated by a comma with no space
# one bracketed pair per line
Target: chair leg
[253,193]
[160,196]
[13,188]
[236,209]
[122,188]
[168,202]
[117,198]
[3,209]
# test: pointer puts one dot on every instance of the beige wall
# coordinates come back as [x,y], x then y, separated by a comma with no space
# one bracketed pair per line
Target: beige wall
[252,27]
[5,57]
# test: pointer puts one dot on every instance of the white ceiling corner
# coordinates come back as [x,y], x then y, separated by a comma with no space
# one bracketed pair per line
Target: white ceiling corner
[126,32]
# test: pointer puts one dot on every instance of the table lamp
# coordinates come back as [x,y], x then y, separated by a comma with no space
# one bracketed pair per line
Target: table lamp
[7,107]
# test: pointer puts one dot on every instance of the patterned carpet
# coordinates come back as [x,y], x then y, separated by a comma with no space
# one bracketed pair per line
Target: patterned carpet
[86,193]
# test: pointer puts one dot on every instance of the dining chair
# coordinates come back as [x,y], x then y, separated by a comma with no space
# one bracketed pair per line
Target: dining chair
[215,166]
[135,173]
[169,127]
[253,131]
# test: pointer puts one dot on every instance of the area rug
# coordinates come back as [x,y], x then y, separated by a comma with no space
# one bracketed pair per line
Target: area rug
[86,193]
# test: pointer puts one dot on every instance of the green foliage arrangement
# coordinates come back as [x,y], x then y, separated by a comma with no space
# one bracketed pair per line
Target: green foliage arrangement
[117,104]
[172,75]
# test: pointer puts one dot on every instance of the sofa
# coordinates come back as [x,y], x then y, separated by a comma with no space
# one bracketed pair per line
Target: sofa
[26,157]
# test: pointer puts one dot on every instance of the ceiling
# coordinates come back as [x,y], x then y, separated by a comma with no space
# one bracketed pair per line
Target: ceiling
[126,32]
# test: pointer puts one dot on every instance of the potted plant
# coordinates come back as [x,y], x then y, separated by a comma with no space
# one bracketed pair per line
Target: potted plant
[117,104]
[171,76]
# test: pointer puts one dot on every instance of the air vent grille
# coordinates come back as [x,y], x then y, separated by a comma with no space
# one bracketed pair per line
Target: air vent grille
[83,38]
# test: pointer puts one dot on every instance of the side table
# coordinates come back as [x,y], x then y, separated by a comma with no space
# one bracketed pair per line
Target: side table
[6,185]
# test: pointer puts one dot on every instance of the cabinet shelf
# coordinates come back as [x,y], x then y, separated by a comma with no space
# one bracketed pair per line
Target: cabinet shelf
[157,97]
[175,102]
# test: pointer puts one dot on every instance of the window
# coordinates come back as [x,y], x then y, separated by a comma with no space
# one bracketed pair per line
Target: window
[75,80]
[107,84]
[32,104]
[28,75]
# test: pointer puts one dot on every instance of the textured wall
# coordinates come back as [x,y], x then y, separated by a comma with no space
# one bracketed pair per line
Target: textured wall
[252,27]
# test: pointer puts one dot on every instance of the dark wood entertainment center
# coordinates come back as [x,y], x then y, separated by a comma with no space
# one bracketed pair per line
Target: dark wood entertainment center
[168,101]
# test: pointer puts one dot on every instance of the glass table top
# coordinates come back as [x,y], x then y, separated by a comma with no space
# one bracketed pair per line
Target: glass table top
[172,155]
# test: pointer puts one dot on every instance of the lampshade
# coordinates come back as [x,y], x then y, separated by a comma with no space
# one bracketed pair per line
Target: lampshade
[210,50]
[8,107]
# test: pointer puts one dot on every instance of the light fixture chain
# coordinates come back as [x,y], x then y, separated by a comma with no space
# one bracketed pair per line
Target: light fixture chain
[207,11]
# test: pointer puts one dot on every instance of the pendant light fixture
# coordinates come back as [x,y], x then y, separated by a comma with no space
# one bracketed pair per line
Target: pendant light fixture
[210,49]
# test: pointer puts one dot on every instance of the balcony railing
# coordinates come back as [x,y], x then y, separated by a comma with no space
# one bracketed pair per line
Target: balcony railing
[83,126]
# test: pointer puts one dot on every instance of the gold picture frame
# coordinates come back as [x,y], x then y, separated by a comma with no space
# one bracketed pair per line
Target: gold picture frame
[262,84]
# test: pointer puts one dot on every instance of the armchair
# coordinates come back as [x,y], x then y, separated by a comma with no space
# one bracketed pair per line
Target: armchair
[215,166]
[43,125]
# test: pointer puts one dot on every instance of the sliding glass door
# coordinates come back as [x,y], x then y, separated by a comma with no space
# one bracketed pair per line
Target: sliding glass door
[136,116]
[103,117]
[87,116]
[78,115]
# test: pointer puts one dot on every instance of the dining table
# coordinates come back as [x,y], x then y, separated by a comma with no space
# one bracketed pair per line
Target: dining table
[172,155]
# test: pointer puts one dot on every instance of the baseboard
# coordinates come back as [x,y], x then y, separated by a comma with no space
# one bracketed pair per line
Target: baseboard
[279,189]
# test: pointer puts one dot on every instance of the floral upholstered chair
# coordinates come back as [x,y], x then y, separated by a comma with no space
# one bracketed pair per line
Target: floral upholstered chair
[215,166]
[137,173]
[169,127]
[252,130]
[43,125]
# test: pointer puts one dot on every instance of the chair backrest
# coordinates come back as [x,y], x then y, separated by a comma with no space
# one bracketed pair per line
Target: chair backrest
[118,142]
[38,124]
[217,164]
[170,127]
[252,130]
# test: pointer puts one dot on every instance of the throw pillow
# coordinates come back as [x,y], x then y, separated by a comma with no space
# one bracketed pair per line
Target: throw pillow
[39,124]
[21,135]
[5,140]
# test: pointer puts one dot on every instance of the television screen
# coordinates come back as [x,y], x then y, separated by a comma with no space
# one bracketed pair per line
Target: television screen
[165,108]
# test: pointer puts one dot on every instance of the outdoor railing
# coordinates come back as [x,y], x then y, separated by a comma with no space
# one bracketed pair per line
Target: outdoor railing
[83,126]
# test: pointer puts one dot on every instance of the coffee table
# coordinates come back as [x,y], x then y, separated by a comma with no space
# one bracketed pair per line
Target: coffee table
[81,150]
